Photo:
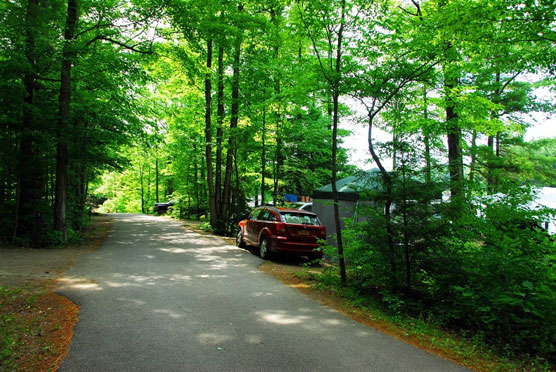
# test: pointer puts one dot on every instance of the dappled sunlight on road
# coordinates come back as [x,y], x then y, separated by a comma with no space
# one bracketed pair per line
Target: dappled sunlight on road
[189,296]
[168,313]
[173,250]
[79,283]
[261,294]
[132,301]
[211,338]
[281,317]
[206,276]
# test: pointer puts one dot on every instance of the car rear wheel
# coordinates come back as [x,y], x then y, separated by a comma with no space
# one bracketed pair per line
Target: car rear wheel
[264,252]
[239,240]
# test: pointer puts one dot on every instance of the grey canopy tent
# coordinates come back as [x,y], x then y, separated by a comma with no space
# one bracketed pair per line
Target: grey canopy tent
[349,190]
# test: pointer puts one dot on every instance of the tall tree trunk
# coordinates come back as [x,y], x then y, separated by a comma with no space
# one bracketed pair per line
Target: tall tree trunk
[208,137]
[335,96]
[233,127]
[27,193]
[263,159]
[63,119]
[428,159]
[275,15]
[453,130]
[220,122]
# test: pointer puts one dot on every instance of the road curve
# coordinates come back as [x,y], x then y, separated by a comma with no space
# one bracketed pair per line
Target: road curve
[157,297]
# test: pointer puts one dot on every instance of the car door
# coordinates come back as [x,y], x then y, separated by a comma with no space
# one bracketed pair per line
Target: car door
[258,224]
[250,227]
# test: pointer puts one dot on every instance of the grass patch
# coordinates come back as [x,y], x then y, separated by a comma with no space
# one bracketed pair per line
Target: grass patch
[19,318]
[36,327]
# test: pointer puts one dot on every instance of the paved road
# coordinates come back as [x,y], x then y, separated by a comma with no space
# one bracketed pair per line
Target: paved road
[156,297]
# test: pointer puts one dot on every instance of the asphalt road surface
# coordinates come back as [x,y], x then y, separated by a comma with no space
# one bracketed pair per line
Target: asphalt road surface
[157,297]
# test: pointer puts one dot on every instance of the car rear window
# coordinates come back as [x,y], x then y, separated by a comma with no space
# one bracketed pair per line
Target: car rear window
[300,218]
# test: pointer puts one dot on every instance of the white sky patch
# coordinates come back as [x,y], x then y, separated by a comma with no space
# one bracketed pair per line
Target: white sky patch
[542,126]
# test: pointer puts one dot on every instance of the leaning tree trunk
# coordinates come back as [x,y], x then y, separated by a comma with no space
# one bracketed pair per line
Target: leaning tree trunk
[387,180]
[64,101]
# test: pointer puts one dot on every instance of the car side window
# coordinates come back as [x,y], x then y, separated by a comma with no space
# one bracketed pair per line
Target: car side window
[270,217]
[254,214]
[263,215]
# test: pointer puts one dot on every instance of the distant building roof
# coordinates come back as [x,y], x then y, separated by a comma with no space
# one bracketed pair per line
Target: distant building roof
[349,187]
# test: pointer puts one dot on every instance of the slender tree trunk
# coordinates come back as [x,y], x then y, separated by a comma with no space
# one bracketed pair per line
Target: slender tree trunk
[494,142]
[277,163]
[196,179]
[63,119]
[204,189]
[156,170]
[394,151]
[263,159]
[208,137]
[148,197]
[220,122]
[142,188]
[83,179]
[407,256]
[473,162]
[233,127]
[235,197]
[386,178]
[428,162]
[335,96]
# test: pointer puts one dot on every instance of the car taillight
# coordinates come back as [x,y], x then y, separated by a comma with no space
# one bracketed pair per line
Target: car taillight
[323,233]
[281,229]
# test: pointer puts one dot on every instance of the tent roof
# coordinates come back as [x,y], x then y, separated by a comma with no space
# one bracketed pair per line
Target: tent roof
[348,188]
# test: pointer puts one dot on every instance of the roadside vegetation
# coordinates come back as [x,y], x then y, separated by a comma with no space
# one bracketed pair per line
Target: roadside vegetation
[470,349]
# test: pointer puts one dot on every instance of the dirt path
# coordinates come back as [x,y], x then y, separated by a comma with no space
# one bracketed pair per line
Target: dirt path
[38,323]
[22,266]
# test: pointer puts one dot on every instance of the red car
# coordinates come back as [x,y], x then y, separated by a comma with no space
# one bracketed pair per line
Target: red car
[281,230]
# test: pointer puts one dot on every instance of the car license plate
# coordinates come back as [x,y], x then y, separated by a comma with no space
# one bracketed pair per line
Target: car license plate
[304,232]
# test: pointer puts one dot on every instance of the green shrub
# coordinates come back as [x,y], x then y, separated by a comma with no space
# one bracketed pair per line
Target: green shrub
[491,272]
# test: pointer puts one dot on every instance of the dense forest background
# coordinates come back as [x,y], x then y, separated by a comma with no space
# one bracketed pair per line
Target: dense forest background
[217,104]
